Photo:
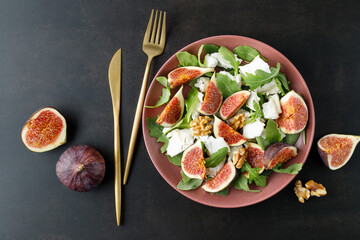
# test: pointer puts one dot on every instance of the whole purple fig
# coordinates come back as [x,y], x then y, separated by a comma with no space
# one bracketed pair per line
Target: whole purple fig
[81,168]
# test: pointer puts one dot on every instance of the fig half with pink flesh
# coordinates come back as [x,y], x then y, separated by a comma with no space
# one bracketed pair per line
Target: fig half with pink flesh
[222,179]
[254,157]
[294,115]
[173,111]
[192,162]
[44,131]
[213,98]
[231,137]
[278,153]
[336,149]
[233,103]
[183,75]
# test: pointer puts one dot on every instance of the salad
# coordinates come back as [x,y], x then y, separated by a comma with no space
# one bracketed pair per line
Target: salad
[237,124]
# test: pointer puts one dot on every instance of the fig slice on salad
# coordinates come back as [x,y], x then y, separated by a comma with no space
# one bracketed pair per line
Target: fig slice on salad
[294,116]
[192,162]
[254,157]
[183,75]
[213,98]
[231,137]
[222,179]
[173,111]
[233,103]
[278,153]
[336,149]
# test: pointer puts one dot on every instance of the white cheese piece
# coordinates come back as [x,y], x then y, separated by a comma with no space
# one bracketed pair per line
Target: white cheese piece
[250,102]
[165,129]
[269,88]
[254,65]
[180,140]
[253,130]
[222,62]
[210,61]
[214,144]
[232,77]
[213,171]
[202,83]
[272,109]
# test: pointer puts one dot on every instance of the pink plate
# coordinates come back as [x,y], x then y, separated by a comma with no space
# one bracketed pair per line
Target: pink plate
[236,198]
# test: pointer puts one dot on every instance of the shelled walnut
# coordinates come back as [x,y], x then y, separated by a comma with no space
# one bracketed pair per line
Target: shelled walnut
[238,121]
[301,192]
[239,157]
[316,189]
[200,126]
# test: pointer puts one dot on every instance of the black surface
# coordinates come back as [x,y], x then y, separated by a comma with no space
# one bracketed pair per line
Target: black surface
[56,53]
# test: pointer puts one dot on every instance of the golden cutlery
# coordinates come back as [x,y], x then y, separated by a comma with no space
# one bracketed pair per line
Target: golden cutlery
[153,45]
[115,89]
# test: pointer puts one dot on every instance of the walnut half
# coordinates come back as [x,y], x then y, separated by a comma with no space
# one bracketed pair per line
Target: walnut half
[239,157]
[200,126]
[316,189]
[238,121]
[301,192]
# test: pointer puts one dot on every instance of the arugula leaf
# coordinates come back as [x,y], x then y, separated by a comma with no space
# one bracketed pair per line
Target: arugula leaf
[187,183]
[187,59]
[247,53]
[262,142]
[291,138]
[156,131]
[278,83]
[261,77]
[292,169]
[272,132]
[209,48]
[224,192]
[176,160]
[199,56]
[255,114]
[229,56]
[304,137]
[226,86]
[283,80]
[165,97]
[254,175]
[216,157]
[241,183]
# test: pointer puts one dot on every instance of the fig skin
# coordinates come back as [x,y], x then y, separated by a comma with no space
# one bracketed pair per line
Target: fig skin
[272,151]
[233,103]
[183,75]
[213,98]
[170,115]
[326,152]
[81,168]
[231,137]
[187,162]
[212,186]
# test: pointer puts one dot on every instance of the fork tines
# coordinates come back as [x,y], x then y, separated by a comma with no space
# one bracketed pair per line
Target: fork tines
[152,34]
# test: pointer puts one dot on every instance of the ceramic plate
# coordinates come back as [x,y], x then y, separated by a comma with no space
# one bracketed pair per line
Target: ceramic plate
[236,198]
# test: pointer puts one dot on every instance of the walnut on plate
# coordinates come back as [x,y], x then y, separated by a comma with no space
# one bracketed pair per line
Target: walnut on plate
[239,157]
[316,189]
[238,121]
[200,126]
[301,192]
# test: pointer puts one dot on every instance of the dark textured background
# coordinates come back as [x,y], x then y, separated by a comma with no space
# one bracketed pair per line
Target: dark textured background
[56,53]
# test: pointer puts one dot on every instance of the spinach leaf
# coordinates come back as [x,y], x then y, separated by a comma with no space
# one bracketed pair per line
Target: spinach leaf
[226,86]
[262,142]
[272,132]
[216,157]
[229,56]
[291,138]
[189,183]
[247,53]
[292,169]
[165,97]
[241,183]
[254,175]
[176,160]
[224,192]
[156,131]
[187,59]
[261,77]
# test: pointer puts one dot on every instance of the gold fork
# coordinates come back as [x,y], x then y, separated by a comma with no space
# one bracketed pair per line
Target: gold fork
[153,45]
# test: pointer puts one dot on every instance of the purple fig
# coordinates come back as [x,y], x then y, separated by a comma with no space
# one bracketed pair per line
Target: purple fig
[81,168]
[278,153]
[183,75]
[337,149]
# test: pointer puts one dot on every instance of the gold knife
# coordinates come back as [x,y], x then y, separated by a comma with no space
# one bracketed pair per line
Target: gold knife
[115,89]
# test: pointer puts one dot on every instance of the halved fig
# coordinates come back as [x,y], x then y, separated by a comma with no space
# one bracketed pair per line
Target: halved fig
[213,98]
[173,111]
[294,115]
[254,157]
[336,149]
[44,131]
[278,153]
[231,137]
[192,162]
[222,179]
[183,75]
[233,103]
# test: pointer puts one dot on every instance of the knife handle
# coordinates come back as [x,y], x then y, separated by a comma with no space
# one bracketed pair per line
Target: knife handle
[117,166]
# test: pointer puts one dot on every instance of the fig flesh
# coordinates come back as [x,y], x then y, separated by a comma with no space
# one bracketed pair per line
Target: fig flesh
[213,98]
[233,103]
[222,179]
[192,162]
[294,115]
[254,157]
[231,137]
[81,168]
[44,131]
[183,75]
[278,153]
[173,111]
[336,149]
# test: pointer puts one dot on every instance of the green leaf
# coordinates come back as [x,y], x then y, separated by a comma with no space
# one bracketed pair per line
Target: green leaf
[165,97]
[283,80]
[185,178]
[187,59]
[199,56]
[176,160]
[189,184]
[247,53]
[226,86]
[261,77]
[262,142]
[304,136]
[254,175]
[255,114]
[229,56]
[292,169]
[224,192]
[163,81]
[278,83]
[241,183]
[272,132]
[210,48]
[216,158]
[156,131]
[291,138]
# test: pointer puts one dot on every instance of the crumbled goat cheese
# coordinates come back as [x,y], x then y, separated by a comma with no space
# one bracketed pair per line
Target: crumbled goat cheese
[166,129]
[214,144]
[210,61]
[268,88]
[253,130]
[250,102]
[222,62]
[272,109]
[202,83]
[232,77]
[254,65]
[213,171]
[180,140]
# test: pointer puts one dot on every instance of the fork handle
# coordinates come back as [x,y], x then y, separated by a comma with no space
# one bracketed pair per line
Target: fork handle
[137,118]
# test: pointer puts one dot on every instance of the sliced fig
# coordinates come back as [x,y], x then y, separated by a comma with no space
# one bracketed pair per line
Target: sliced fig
[192,162]
[44,131]
[81,168]
[254,157]
[231,137]
[222,179]
[213,98]
[336,149]
[183,75]
[294,115]
[233,103]
[173,111]
[278,153]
